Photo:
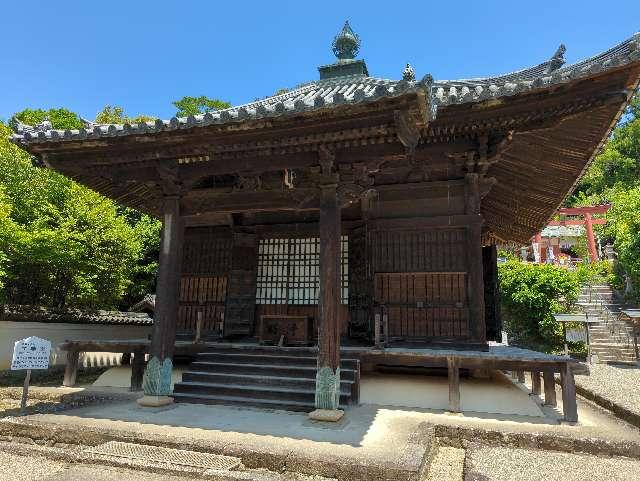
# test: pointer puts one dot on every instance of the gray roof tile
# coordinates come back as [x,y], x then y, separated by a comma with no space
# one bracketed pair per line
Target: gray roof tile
[354,89]
[18,313]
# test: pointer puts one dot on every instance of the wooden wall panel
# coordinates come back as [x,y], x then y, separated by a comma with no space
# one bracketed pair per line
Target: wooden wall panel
[424,305]
[360,286]
[241,295]
[436,250]
[206,261]
[207,251]
[204,294]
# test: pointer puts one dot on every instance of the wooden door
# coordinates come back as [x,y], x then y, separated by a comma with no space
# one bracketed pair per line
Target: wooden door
[423,305]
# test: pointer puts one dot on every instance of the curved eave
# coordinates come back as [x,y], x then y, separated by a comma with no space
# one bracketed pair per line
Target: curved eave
[541,168]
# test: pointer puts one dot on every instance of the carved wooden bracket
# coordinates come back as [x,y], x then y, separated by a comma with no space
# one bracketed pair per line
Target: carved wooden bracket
[407,131]
[168,179]
[327,159]
[488,152]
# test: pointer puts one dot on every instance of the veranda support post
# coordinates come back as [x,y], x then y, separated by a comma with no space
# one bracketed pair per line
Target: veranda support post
[327,395]
[157,376]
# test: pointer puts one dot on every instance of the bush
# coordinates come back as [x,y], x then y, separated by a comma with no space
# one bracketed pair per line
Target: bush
[530,295]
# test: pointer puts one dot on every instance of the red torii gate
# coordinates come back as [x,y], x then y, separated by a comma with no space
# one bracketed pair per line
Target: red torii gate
[588,221]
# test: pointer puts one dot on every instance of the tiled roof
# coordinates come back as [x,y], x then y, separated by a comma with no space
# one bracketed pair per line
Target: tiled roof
[17,313]
[147,302]
[563,231]
[358,89]
[448,92]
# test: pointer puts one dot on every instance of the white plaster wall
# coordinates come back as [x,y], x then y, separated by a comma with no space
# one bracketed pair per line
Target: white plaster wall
[57,333]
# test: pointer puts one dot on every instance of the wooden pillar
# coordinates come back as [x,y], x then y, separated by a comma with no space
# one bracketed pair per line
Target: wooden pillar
[71,369]
[520,376]
[328,374]
[591,241]
[549,388]
[535,382]
[475,280]
[569,402]
[157,376]
[493,321]
[453,372]
[137,370]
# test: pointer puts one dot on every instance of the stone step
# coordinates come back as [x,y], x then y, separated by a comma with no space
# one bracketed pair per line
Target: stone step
[271,359]
[263,376]
[244,401]
[252,380]
[255,392]
[277,370]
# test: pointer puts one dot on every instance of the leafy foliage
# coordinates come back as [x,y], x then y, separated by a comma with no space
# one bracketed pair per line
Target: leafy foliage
[198,105]
[614,177]
[59,118]
[115,115]
[530,295]
[61,244]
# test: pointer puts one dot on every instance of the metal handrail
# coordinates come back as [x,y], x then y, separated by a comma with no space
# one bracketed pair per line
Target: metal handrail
[617,326]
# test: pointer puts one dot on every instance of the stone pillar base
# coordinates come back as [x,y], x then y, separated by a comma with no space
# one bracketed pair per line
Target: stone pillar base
[327,415]
[155,401]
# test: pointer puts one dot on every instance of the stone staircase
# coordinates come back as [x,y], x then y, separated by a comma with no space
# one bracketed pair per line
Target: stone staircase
[261,376]
[611,338]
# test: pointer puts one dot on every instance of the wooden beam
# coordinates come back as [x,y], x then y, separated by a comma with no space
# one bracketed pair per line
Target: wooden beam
[453,371]
[549,388]
[577,222]
[137,370]
[594,209]
[535,382]
[71,369]
[569,402]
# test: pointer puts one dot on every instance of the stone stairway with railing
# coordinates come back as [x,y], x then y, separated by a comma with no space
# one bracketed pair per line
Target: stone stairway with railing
[611,338]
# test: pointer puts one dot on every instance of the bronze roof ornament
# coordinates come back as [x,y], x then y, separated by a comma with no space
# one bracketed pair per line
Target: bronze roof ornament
[346,44]
[408,73]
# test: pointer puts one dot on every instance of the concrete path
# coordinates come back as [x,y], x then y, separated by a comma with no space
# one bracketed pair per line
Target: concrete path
[617,386]
[504,464]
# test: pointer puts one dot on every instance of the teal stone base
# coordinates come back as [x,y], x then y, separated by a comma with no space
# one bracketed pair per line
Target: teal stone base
[157,377]
[327,388]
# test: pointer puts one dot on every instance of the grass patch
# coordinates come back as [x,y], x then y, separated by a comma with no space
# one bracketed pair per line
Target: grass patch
[51,377]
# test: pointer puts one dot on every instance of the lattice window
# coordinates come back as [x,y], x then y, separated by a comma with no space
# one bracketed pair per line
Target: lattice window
[289,271]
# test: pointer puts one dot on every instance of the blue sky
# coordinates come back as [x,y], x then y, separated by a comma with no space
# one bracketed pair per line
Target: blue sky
[141,54]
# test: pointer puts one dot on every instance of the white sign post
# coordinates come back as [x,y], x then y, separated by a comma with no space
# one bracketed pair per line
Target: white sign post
[30,353]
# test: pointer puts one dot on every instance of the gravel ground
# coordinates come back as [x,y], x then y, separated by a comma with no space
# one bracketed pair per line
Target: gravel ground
[618,384]
[447,465]
[508,464]
[22,468]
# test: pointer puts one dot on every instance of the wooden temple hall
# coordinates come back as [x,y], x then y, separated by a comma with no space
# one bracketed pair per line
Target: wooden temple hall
[349,211]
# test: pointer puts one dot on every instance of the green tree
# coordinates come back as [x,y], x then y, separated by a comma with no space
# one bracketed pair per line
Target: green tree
[61,244]
[115,115]
[143,277]
[198,105]
[59,118]
[530,294]
[614,177]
